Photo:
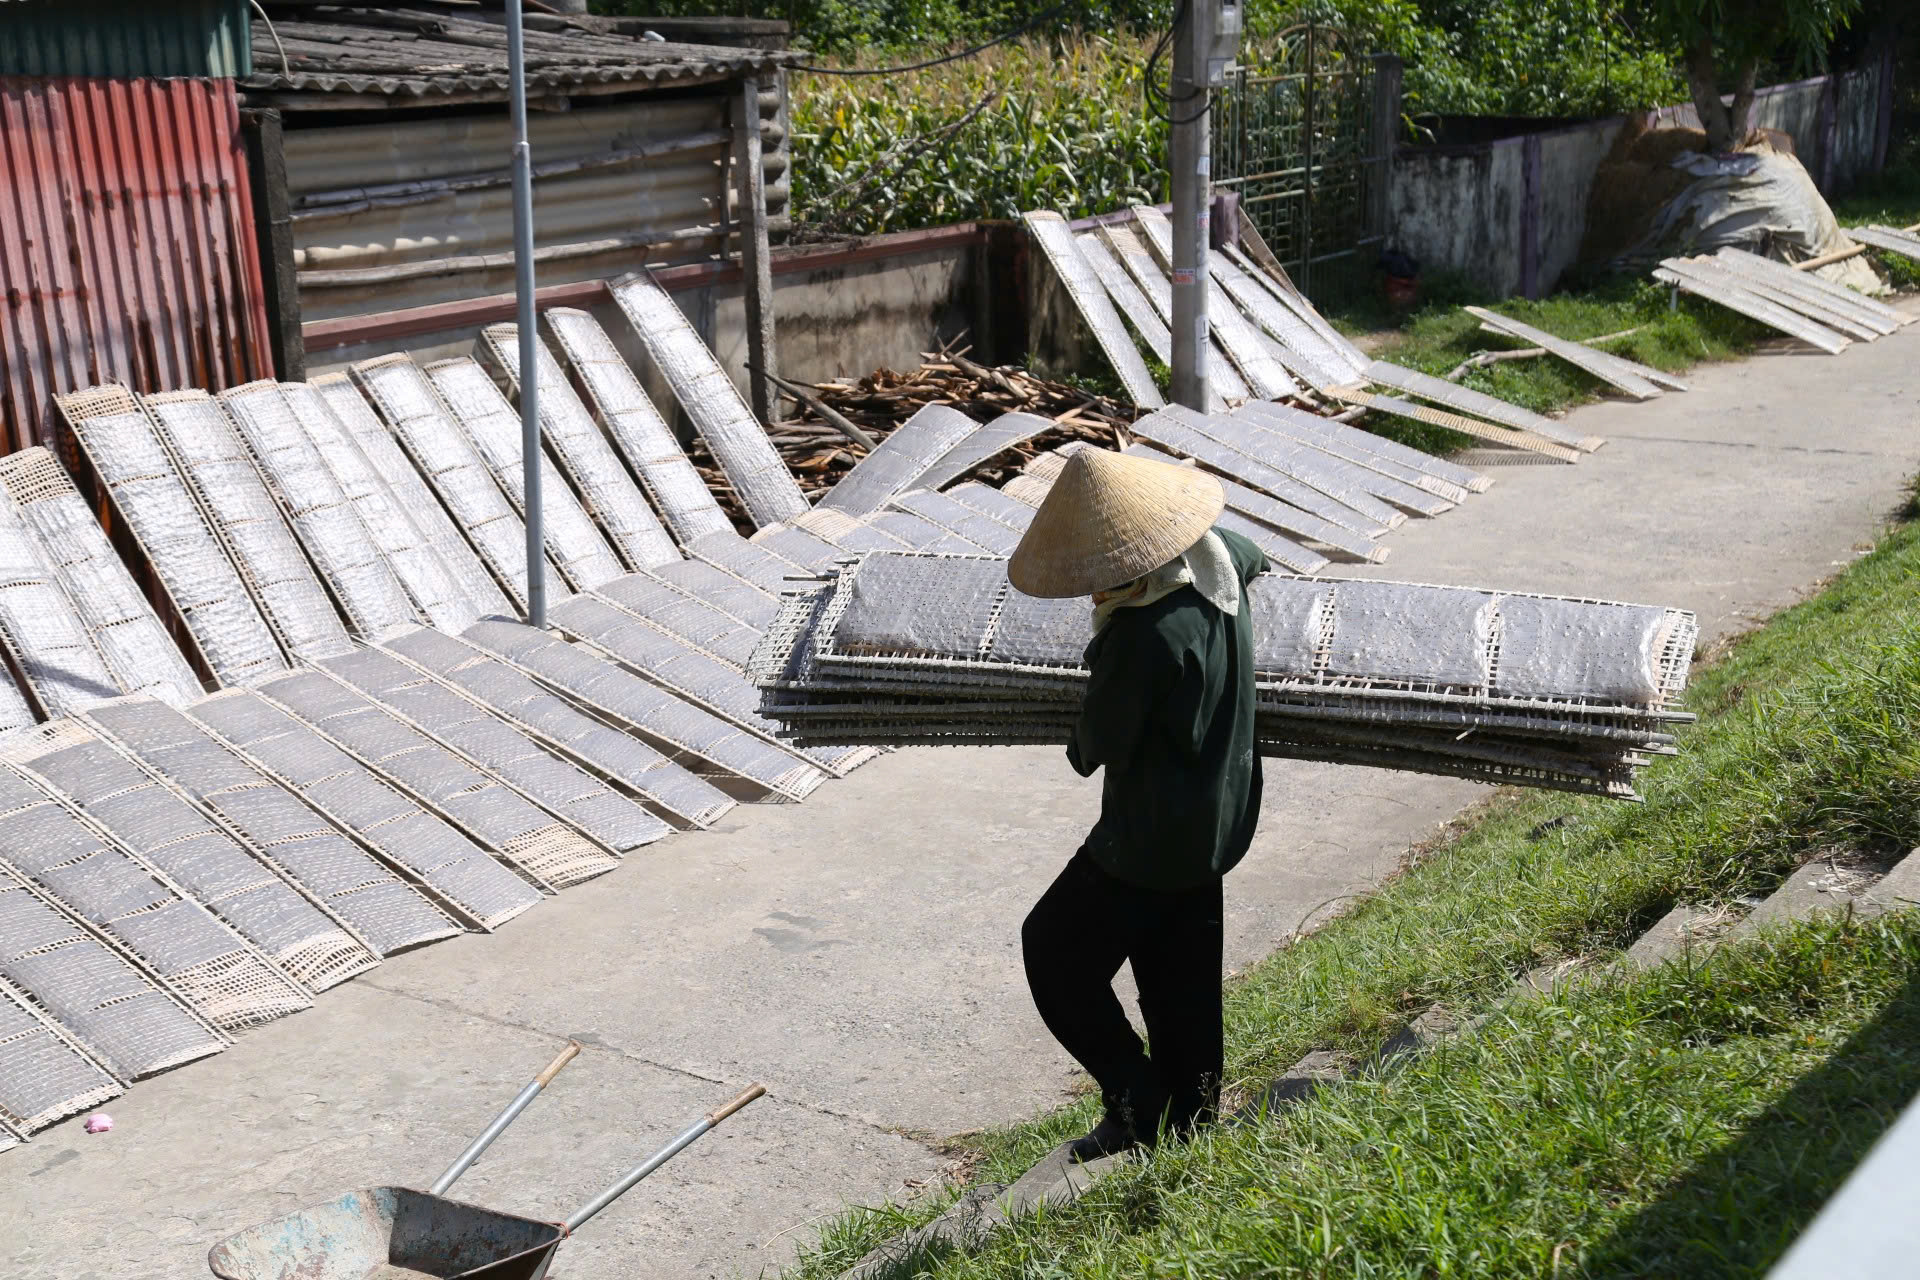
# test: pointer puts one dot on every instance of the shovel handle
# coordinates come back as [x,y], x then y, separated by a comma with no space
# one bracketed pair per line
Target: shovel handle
[566,1055]
[659,1158]
[505,1118]
[747,1095]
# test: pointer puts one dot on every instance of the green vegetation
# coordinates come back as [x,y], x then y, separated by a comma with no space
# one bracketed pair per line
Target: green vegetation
[1606,1130]
[909,30]
[1059,120]
[1439,336]
[1890,199]
[1608,1134]
[1728,42]
[1505,57]
[1024,126]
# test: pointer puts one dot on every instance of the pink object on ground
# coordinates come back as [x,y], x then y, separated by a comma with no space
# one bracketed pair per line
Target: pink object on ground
[99,1122]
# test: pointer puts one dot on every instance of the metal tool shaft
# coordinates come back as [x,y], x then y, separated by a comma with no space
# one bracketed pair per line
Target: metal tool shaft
[523,287]
[506,1117]
[659,1158]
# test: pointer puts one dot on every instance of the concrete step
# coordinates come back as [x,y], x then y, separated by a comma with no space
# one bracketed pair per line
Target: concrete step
[1820,887]
[965,1225]
[1675,936]
[1418,1036]
[1898,890]
[1299,1082]
[1056,1180]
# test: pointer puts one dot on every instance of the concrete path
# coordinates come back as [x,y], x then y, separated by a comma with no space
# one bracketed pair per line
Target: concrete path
[859,953]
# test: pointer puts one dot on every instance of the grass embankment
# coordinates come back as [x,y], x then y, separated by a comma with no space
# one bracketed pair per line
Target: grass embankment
[1678,1123]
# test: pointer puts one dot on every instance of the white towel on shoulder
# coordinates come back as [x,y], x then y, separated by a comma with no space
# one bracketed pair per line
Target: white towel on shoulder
[1206,566]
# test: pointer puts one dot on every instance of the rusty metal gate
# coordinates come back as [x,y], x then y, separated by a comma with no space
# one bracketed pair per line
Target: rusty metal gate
[1304,131]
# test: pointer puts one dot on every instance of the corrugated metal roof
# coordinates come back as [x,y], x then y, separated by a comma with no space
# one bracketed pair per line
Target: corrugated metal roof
[125,38]
[422,54]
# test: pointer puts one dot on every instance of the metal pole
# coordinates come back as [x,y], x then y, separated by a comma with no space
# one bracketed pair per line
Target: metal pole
[505,1118]
[659,1158]
[524,316]
[1190,164]
[1306,172]
[756,263]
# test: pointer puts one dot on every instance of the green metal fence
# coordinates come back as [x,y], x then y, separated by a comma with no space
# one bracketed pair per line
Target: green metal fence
[1304,131]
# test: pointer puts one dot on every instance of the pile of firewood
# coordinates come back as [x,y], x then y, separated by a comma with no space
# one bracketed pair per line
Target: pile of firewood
[834,424]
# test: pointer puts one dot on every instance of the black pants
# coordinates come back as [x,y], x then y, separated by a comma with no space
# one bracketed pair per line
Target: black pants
[1075,939]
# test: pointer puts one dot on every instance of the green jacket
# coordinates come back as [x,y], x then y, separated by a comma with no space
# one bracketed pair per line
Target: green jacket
[1169,712]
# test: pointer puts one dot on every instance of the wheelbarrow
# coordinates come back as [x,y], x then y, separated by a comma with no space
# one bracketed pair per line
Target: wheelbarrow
[396,1233]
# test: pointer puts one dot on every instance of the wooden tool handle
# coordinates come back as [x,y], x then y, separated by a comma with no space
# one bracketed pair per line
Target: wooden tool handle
[553,1068]
[751,1092]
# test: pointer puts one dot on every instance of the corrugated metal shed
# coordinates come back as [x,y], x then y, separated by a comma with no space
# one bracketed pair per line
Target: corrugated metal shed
[127,249]
[632,157]
[125,38]
[411,212]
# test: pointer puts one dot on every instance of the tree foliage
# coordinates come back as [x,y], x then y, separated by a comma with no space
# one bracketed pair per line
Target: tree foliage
[1728,41]
[904,27]
[1057,119]
[1504,57]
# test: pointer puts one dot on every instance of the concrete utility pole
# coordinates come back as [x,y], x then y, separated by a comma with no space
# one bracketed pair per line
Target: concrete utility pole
[1190,165]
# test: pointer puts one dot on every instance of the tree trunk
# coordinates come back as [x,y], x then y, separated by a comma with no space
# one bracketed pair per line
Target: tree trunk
[1703,81]
[1738,118]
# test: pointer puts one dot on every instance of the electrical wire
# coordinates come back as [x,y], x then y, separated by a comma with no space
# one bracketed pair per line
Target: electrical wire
[1159,101]
[286,67]
[1014,34]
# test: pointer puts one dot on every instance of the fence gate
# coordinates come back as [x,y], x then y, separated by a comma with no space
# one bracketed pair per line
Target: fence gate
[1304,131]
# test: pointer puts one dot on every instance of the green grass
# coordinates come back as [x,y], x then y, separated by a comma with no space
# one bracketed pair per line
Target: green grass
[1889,199]
[1687,1123]
[1438,336]
[1809,739]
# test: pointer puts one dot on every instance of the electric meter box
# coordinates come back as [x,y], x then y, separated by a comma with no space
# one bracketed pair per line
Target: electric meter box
[1224,42]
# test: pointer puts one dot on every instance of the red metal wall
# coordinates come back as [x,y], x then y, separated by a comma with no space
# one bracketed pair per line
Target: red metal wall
[127,248]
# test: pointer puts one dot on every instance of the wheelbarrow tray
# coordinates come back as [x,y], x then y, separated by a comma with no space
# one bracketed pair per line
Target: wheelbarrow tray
[390,1233]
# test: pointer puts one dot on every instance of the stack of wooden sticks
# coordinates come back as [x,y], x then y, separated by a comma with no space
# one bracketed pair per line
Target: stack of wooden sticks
[836,423]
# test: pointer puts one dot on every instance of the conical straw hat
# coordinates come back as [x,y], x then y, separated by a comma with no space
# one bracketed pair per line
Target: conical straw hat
[1110,518]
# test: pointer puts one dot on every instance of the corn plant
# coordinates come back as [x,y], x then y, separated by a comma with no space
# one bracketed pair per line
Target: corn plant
[1028,126]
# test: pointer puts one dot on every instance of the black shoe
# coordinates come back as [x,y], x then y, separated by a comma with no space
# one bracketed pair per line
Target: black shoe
[1109,1138]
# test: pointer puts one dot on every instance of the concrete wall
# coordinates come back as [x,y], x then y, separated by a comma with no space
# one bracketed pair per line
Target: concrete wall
[1460,209]
[1510,213]
[1568,162]
[852,319]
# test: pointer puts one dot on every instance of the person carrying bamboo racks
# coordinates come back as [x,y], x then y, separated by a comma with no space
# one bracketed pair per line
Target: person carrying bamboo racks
[1169,713]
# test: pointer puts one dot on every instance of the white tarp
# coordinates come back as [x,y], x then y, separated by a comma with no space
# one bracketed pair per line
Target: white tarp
[1760,200]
